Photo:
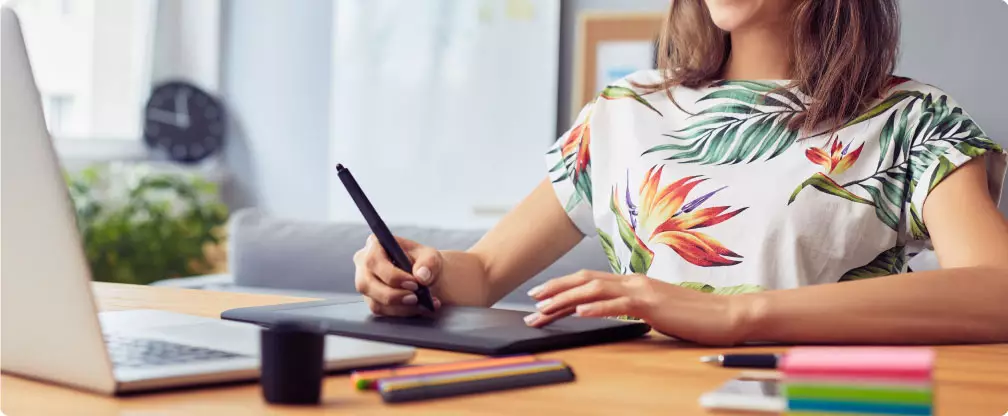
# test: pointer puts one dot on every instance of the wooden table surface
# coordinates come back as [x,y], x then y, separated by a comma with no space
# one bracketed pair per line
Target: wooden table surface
[647,376]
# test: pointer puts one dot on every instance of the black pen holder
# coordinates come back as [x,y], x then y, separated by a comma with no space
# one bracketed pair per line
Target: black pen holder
[291,363]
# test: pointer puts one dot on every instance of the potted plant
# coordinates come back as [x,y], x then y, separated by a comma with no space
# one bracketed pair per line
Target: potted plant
[139,227]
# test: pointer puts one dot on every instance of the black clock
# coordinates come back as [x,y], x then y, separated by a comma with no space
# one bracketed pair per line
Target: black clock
[184,122]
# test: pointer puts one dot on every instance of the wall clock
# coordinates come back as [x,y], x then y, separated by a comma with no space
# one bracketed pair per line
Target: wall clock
[184,122]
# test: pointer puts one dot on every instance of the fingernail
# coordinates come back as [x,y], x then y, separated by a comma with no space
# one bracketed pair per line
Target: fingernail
[410,285]
[582,309]
[544,303]
[409,299]
[424,274]
[529,319]
[437,303]
[535,290]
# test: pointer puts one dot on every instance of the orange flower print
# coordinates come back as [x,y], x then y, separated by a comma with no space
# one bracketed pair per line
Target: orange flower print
[664,216]
[838,160]
[576,146]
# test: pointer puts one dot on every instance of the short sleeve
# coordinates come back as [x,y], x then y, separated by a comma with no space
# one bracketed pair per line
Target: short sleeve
[940,140]
[569,164]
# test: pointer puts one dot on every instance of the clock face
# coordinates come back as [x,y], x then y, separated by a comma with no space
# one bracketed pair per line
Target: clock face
[184,122]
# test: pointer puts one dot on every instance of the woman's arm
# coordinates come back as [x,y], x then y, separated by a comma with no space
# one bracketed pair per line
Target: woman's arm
[532,236]
[527,240]
[965,301]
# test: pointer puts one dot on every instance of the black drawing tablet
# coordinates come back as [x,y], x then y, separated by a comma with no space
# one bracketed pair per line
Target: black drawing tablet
[484,331]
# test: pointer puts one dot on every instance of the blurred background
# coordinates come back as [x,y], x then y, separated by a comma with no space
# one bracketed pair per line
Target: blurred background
[441,108]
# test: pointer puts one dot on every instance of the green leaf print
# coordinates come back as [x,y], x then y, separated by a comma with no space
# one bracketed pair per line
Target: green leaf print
[917,228]
[640,256]
[882,107]
[907,151]
[610,250]
[747,122]
[729,290]
[573,202]
[614,93]
[827,185]
[889,262]
[738,289]
[702,287]
[943,169]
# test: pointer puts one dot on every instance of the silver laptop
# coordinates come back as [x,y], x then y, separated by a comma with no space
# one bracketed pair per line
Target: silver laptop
[50,329]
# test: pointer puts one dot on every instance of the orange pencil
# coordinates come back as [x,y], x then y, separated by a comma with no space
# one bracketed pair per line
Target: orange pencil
[368,380]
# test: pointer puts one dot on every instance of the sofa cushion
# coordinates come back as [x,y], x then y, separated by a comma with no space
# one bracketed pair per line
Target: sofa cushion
[265,251]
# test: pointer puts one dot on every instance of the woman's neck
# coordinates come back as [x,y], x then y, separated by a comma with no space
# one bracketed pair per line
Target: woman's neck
[759,53]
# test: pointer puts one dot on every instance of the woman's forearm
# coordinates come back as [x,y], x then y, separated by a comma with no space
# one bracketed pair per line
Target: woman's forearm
[527,240]
[965,305]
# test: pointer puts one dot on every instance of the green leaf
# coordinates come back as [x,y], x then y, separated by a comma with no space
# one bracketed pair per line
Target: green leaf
[945,167]
[729,108]
[702,287]
[917,228]
[778,129]
[882,107]
[889,262]
[573,202]
[614,92]
[640,260]
[881,208]
[738,289]
[640,256]
[610,250]
[784,142]
[976,146]
[756,86]
[559,165]
[824,184]
[745,96]
[884,138]
[704,126]
[748,140]
[892,192]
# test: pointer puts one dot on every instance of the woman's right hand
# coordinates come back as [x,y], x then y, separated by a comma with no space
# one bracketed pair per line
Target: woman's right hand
[389,290]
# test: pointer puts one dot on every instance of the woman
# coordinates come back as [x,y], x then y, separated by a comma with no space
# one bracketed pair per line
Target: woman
[773,156]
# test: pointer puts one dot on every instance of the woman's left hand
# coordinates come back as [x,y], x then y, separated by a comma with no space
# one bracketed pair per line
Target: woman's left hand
[670,309]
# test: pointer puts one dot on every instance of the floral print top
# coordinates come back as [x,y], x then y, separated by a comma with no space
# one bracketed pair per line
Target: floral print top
[713,191]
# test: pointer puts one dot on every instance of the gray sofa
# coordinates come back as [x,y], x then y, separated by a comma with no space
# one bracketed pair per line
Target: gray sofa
[314,259]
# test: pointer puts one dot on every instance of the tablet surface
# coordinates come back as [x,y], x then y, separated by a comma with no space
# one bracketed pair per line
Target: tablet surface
[485,331]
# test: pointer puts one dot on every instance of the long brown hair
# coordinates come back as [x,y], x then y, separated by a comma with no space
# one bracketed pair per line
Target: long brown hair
[843,54]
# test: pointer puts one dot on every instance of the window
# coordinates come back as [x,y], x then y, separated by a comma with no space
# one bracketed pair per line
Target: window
[58,113]
[91,60]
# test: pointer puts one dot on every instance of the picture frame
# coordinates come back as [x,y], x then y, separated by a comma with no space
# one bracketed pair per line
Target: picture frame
[610,46]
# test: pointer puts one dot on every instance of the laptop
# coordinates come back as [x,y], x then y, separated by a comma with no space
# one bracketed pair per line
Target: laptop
[49,327]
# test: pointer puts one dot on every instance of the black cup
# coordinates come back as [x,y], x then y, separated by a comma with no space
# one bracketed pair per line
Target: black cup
[291,363]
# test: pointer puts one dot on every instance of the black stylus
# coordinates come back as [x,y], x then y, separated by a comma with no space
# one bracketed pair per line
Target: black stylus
[743,360]
[381,231]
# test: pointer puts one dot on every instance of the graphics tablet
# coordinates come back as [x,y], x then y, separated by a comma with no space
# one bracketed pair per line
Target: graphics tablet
[454,328]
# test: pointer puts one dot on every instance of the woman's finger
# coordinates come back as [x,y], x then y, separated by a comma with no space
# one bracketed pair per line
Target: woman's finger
[372,287]
[538,319]
[592,291]
[570,281]
[390,310]
[605,308]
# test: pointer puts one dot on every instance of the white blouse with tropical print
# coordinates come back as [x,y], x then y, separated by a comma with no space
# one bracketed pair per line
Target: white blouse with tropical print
[714,192]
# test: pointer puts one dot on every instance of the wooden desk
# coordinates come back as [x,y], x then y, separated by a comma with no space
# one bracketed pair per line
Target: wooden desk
[650,376]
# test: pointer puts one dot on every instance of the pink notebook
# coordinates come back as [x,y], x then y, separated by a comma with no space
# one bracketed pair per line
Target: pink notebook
[896,363]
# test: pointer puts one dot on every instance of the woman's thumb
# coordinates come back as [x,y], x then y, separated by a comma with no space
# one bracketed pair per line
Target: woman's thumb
[426,264]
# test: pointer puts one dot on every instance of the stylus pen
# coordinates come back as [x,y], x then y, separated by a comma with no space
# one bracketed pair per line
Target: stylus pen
[743,360]
[382,233]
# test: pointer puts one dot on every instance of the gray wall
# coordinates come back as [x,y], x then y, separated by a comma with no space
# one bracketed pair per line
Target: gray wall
[275,79]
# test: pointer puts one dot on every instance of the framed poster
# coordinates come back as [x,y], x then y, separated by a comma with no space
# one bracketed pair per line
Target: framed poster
[611,46]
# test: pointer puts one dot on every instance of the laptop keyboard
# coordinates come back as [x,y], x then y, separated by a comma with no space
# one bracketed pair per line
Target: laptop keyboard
[140,352]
